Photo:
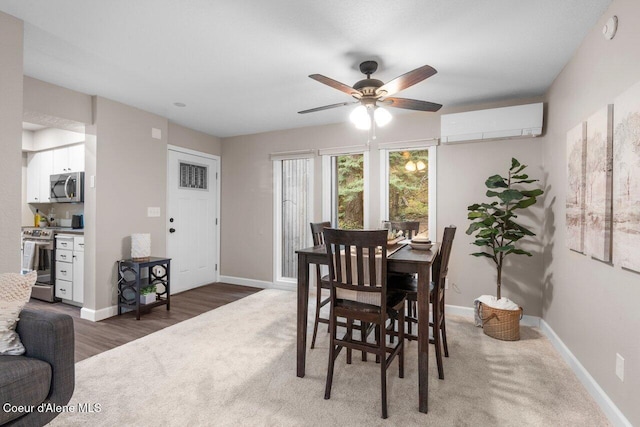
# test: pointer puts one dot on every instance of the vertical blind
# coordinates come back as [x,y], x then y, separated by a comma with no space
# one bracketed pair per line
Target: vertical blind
[295,212]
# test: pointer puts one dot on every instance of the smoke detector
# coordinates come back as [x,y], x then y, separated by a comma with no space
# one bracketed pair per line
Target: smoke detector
[610,28]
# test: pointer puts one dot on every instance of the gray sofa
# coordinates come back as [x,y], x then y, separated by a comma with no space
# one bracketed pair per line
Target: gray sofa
[44,374]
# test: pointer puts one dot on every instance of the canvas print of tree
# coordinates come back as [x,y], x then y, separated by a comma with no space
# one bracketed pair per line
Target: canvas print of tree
[576,159]
[626,172]
[599,184]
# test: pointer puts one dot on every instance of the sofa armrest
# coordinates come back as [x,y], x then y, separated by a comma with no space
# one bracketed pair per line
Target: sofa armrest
[49,337]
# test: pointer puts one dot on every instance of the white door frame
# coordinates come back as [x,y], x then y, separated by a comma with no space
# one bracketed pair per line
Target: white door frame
[216,228]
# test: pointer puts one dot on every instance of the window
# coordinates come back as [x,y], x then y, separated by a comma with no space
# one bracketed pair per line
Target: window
[348,206]
[409,187]
[293,184]
[193,176]
[345,200]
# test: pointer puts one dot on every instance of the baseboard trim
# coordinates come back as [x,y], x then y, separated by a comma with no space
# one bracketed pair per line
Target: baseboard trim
[458,310]
[610,409]
[98,315]
[262,284]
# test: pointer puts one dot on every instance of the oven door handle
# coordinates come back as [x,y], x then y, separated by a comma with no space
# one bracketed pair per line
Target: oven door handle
[66,183]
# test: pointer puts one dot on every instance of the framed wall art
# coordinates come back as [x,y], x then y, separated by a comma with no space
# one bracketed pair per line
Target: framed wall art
[576,159]
[599,184]
[626,172]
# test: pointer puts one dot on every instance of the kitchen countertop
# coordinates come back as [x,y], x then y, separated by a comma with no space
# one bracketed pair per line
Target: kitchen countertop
[60,230]
[65,230]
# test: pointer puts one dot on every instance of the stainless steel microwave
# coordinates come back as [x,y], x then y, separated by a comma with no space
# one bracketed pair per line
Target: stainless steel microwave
[67,187]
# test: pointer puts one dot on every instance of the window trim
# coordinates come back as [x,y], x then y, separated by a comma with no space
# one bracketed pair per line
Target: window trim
[280,282]
[384,181]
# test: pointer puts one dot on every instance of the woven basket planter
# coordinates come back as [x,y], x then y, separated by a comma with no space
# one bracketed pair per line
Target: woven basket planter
[501,324]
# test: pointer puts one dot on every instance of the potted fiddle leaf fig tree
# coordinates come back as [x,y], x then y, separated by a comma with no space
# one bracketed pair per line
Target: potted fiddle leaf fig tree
[495,224]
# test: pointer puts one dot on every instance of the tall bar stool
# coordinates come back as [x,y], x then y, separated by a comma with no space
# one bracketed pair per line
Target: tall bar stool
[408,287]
[358,279]
[317,229]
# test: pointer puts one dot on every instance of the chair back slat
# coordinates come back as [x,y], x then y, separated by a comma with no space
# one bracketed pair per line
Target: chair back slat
[373,279]
[359,265]
[337,261]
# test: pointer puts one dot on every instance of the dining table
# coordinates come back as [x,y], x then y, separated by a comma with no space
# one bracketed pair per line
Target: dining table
[403,260]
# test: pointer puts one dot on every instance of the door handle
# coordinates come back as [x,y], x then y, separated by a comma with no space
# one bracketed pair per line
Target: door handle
[172,230]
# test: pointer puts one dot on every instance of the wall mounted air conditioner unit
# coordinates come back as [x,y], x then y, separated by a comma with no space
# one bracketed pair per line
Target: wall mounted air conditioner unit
[495,123]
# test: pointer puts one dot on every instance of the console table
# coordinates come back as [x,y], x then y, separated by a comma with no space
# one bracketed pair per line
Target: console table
[131,281]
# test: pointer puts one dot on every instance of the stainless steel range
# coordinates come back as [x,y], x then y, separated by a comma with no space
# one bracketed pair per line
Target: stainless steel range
[41,260]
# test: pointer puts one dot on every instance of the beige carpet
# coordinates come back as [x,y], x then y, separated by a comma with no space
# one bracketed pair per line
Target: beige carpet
[236,366]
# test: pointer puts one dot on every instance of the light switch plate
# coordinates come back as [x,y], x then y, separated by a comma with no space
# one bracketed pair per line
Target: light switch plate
[156,133]
[153,212]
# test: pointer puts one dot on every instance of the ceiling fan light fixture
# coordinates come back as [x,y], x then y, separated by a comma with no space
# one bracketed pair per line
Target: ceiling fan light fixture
[381,116]
[420,165]
[410,166]
[360,117]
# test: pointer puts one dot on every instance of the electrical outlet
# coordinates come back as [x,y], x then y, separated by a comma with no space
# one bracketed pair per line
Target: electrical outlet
[620,367]
[153,212]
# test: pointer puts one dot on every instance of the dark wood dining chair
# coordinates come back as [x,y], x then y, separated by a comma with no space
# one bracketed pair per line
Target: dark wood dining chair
[317,229]
[359,292]
[409,288]
[409,228]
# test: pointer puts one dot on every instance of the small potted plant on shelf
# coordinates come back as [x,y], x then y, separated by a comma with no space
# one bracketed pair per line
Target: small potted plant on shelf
[148,294]
[498,233]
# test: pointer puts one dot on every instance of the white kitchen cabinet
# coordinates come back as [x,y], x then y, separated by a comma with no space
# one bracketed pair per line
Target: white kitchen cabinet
[33,178]
[70,268]
[68,159]
[64,271]
[76,158]
[39,170]
[63,289]
[78,277]
[64,242]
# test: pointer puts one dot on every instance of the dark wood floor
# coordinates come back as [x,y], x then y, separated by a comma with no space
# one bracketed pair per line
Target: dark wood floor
[95,337]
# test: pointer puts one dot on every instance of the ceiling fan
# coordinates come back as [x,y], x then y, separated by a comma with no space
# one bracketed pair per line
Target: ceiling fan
[369,93]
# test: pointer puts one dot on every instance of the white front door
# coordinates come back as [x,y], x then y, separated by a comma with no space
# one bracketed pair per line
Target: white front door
[192,226]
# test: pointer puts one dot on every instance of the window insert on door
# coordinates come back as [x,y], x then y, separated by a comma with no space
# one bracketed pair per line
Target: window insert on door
[194,176]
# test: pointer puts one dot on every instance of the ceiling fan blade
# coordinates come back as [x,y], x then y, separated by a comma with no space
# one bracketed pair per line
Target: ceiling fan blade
[406,80]
[327,107]
[411,104]
[336,85]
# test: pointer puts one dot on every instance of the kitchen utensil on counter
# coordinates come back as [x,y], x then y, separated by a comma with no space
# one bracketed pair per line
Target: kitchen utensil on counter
[77,221]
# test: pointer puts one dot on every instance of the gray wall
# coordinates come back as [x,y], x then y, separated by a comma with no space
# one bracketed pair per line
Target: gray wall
[194,140]
[11,41]
[131,175]
[247,198]
[592,306]
[55,106]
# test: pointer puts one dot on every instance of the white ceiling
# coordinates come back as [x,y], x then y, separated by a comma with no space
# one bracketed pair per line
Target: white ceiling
[241,66]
